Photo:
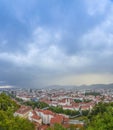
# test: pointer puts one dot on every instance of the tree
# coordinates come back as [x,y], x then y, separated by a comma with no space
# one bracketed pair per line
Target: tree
[101,117]
[7,103]
[57,127]
[7,120]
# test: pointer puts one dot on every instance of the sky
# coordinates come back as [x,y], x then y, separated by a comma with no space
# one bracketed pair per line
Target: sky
[56,42]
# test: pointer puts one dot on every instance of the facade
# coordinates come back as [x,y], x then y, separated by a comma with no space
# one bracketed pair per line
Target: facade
[46,115]
[23,111]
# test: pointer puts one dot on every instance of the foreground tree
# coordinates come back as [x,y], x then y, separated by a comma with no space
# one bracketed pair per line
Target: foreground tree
[7,120]
[101,117]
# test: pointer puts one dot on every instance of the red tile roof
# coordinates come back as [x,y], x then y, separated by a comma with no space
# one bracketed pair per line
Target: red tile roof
[23,109]
[36,117]
[57,119]
[46,112]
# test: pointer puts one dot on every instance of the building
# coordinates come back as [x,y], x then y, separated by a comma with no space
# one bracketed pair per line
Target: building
[23,111]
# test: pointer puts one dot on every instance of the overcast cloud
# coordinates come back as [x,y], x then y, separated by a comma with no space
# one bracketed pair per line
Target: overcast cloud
[56,42]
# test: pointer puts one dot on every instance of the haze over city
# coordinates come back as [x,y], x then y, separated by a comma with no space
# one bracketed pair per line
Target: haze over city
[56,42]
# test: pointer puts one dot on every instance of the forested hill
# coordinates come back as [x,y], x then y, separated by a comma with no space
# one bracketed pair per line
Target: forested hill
[7,120]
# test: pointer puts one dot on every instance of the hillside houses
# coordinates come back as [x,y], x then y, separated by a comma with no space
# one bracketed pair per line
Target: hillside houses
[41,118]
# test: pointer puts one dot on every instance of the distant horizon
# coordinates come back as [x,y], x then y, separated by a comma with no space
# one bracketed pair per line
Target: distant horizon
[53,86]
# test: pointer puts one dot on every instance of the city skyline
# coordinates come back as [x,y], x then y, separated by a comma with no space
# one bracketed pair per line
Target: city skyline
[56,43]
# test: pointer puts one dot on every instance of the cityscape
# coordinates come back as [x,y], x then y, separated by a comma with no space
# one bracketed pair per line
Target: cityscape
[47,107]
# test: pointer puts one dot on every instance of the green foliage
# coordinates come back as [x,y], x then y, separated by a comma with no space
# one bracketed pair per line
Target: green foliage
[84,100]
[60,110]
[77,100]
[7,120]
[36,104]
[14,123]
[85,113]
[57,127]
[101,118]
[7,104]
[87,100]
[72,127]
[60,127]
[92,93]
[19,100]
[99,108]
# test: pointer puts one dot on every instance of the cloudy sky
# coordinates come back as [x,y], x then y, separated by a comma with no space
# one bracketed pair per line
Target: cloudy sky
[56,42]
